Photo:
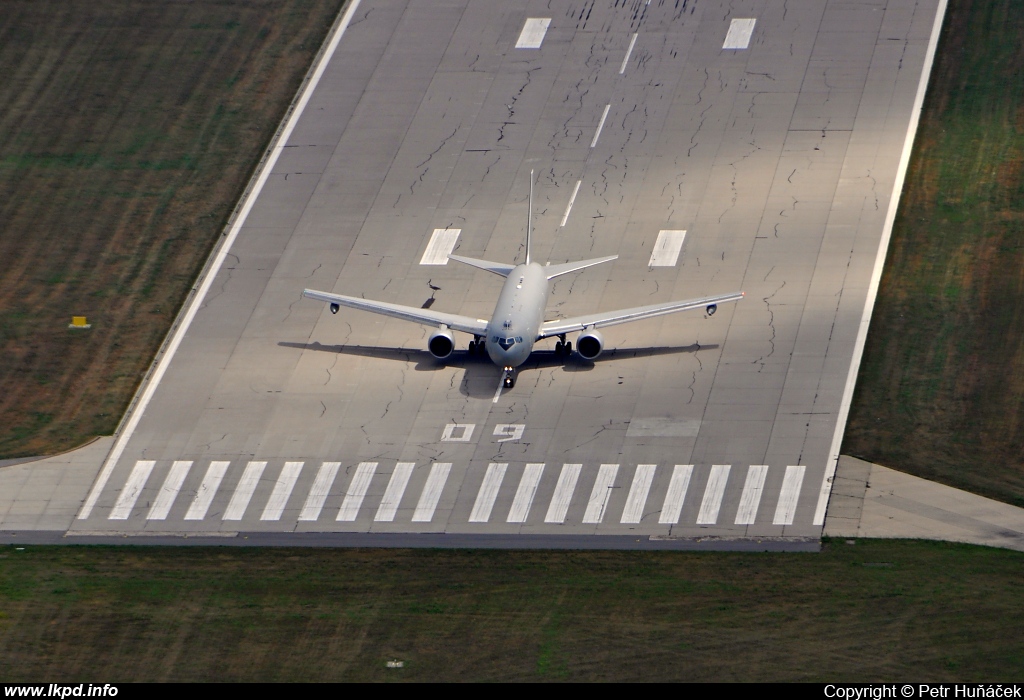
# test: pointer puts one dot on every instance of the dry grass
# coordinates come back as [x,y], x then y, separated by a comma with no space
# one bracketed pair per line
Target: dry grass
[128,131]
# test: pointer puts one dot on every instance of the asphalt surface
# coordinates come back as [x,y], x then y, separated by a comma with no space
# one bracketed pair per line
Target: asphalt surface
[779,162]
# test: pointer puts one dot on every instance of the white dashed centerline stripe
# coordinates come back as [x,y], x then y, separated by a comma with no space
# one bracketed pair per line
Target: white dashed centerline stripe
[169,491]
[487,493]
[572,199]
[424,512]
[441,244]
[789,496]
[533,33]
[600,494]
[637,498]
[600,125]
[207,490]
[388,507]
[564,490]
[524,494]
[632,43]
[676,494]
[708,514]
[356,492]
[318,493]
[666,248]
[132,488]
[164,361]
[282,490]
[739,33]
[751,497]
[243,492]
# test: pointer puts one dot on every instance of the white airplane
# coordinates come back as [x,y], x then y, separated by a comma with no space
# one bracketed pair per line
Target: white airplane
[517,322]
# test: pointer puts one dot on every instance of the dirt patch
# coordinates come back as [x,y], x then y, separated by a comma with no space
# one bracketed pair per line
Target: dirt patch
[128,131]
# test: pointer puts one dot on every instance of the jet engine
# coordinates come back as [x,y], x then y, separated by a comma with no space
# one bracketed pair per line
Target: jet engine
[589,345]
[441,343]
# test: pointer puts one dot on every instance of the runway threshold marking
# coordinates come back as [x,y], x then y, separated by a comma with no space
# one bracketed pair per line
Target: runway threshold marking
[600,125]
[132,488]
[629,51]
[243,492]
[713,493]
[666,248]
[424,512]
[599,495]
[637,498]
[393,493]
[738,36]
[572,199]
[488,493]
[520,509]
[356,492]
[221,255]
[751,496]
[533,33]
[318,493]
[786,507]
[564,489]
[282,490]
[207,490]
[169,491]
[441,244]
[676,494]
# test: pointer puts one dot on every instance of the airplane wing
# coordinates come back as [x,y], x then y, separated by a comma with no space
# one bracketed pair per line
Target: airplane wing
[611,318]
[476,326]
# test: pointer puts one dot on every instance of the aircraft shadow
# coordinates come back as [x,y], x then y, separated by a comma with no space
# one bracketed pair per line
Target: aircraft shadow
[482,376]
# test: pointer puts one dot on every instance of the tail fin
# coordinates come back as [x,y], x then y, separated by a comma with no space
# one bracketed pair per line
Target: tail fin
[529,220]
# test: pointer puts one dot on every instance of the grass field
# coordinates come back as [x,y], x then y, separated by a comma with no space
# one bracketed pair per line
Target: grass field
[941,387]
[128,131]
[876,610]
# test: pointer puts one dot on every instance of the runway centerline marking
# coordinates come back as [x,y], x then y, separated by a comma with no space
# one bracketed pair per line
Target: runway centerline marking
[712,502]
[169,491]
[533,33]
[629,51]
[282,490]
[564,490]
[356,492]
[600,494]
[572,199]
[488,493]
[676,494]
[424,512]
[789,496]
[318,492]
[207,490]
[600,125]
[132,488]
[393,493]
[738,36]
[520,509]
[497,392]
[243,492]
[666,248]
[441,244]
[753,487]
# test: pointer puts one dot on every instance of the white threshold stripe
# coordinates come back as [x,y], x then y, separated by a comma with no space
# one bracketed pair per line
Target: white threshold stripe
[738,36]
[572,199]
[243,492]
[207,490]
[600,494]
[666,248]
[676,494]
[318,492]
[790,495]
[356,492]
[876,272]
[629,52]
[564,490]
[637,498]
[169,491]
[488,492]
[600,125]
[441,244]
[532,35]
[132,488]
[753,487]
[388,507]
[179,332]
[709,507]
[520,509]
[282,490]
[424,512]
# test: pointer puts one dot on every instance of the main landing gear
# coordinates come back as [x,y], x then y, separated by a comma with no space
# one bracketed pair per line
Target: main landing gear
[476,346]
[509,380]
[563,348]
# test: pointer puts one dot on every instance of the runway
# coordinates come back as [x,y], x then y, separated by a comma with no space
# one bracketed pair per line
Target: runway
[713,146]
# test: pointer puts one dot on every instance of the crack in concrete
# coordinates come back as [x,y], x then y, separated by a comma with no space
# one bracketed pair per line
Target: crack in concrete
[763,360]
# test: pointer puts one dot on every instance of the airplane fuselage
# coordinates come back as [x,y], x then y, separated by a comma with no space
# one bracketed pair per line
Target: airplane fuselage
[518,316]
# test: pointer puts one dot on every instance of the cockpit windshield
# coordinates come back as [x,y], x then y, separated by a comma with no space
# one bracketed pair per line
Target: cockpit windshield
[506,343]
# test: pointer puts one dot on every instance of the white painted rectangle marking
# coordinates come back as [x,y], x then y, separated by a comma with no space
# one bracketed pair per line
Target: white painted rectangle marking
[789,496]
[441,244]
[533,33]
[388,507]
[207,490]
[600,125]
[243,492]
[356,492]
[169,491]
[524,494]
[282,490]
[637,498]
[575,191]
[629,52]
[751,497]
[424,512]
[318,493]
[708,514]
[487,493]
[666,248]
[600,494]
[564,490]
[739,33]
[132,488]
[676,494]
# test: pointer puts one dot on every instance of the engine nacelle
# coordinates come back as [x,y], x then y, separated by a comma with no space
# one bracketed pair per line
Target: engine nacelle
[441,343]
[589,345]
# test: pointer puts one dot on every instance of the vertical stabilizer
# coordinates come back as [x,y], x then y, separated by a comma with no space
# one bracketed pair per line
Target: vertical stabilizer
[529,220]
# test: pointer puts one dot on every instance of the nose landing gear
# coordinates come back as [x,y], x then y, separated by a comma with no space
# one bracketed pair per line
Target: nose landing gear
[509,380]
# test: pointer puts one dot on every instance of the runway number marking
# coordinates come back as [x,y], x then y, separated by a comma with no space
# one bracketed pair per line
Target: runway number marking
[739,33]
[441,244]
[509,431]
[533,33]
[458,432]
[666,248]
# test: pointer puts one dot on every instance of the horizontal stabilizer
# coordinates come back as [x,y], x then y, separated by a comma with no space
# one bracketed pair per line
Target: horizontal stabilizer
[553,271]
[497,268]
